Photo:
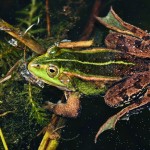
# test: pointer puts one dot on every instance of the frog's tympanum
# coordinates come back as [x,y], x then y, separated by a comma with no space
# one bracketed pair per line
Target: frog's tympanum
[121,71]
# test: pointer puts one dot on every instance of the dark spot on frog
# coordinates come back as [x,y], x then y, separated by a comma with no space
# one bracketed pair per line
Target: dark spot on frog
[137,43]
[122,47]
[133,30]
[124,97]
[138,96]
[121,43]
[137,85]
[146,38]
[121,38]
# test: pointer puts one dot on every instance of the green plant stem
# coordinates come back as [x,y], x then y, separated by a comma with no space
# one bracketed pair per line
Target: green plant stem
[25,39]
[3,140]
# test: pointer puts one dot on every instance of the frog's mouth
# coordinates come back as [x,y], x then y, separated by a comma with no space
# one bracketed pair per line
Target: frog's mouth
[30,77]
[64,88]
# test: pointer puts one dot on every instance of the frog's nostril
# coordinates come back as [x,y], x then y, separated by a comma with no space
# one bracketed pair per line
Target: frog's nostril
[35,65]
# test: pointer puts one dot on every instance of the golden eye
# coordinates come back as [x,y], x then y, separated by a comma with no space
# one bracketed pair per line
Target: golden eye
[52,71]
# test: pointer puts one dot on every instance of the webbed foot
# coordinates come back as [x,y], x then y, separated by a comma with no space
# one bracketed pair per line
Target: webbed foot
[68,109]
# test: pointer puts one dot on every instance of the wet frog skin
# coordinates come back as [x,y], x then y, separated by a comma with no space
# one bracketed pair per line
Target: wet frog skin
[122,74]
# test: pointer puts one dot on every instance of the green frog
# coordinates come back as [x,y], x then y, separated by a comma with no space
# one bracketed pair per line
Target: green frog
[120,71]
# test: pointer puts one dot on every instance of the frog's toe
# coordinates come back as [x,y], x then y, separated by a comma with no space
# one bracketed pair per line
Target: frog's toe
[49,105]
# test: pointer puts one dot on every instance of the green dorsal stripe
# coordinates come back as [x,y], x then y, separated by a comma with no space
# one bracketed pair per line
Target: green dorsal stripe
[91,63]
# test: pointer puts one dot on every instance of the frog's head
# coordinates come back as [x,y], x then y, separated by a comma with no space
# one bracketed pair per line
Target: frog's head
[46,69]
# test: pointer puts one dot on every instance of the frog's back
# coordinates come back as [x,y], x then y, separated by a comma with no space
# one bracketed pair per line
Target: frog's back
[93,71]
[101,63]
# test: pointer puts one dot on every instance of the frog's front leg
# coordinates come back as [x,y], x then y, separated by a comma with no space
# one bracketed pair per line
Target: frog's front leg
[68,109]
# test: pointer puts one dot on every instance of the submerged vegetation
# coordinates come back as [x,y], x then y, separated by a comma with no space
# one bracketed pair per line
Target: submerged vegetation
[21,114]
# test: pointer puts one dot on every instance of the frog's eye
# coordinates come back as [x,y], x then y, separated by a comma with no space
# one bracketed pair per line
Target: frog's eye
[52,71]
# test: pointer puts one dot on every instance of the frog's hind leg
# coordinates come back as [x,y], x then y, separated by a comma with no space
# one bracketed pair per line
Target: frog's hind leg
[68,109]
[111,122]
[128,90]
